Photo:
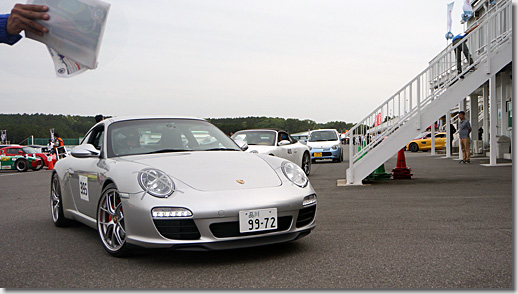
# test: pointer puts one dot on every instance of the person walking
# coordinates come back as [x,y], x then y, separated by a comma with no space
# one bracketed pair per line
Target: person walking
[464,130]
[462,48]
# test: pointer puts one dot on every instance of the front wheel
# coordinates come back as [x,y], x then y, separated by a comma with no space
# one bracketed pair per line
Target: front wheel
[110,222]
[413,147]
[306,163]
[56,203]
[21,165]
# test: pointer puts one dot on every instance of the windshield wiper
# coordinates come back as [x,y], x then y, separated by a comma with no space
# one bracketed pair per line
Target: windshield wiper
[220,149]
[168,150]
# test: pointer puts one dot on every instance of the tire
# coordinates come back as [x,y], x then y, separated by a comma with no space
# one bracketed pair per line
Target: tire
[39,166]
[413,147]
[306,163]
[341,156]
[21,165]
[56,203]
[110,222]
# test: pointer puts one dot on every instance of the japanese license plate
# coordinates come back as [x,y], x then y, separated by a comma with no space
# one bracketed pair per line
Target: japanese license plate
[317,154]
[257,220]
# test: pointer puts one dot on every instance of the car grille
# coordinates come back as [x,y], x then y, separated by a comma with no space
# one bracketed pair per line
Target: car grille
[231,229]
[184,229]
[327,154]
[306,216]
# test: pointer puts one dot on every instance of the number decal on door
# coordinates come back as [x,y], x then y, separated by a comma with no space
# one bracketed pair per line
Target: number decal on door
[83,187]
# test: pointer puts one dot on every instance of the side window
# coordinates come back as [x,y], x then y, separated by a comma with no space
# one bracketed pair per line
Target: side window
[283,137]
[13,150]
[96,138]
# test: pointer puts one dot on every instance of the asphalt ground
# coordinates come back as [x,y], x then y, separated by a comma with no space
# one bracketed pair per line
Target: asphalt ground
[451,226]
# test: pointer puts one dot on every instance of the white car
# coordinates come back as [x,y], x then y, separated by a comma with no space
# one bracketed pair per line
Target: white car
[178,183]
[325,144]
[276,143]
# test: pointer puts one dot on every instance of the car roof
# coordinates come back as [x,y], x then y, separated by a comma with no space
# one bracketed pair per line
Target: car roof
[265,129]
[114,119]
[323,130]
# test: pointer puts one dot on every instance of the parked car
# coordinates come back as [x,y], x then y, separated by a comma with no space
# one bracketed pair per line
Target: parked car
[276,143]
[325,144]
[178,183]
[301,137]
[424,142]
[20,163]
[26,150]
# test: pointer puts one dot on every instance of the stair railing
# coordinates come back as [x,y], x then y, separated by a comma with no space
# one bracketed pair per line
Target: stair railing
[412,98]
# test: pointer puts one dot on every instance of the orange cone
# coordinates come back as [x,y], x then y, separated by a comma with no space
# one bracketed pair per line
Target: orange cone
[51,164]
[401,171]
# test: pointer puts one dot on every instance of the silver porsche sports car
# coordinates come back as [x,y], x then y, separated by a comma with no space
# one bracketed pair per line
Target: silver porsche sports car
[178,183]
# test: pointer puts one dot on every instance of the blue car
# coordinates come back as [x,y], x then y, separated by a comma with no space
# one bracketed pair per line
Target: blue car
[325,144]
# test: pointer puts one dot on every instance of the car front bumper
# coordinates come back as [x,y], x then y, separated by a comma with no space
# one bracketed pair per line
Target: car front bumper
[327,153]
[214,225]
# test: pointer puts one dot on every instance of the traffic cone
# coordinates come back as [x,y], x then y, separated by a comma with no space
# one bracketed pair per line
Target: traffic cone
[401,171]
[380,174]
[51,164]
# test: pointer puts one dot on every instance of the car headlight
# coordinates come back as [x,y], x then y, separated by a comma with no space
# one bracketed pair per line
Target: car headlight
[335,147]
[294,173]
[156,182]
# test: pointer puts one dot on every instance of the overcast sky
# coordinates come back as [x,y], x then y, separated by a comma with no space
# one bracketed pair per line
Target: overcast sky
[307,59]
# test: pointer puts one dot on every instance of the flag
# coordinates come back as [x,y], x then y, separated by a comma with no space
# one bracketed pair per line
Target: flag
[3,137]
[449,35]
[468,11]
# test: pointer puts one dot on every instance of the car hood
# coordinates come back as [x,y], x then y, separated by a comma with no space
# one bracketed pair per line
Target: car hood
[323,144]
[213,170]
[260,148]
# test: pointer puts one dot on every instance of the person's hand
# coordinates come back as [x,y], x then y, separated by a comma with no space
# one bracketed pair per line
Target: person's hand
[23,17]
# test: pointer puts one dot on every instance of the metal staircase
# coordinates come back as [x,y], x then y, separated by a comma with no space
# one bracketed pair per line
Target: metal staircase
[433,92]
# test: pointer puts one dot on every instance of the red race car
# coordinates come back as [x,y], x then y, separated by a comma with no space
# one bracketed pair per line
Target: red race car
[23,150]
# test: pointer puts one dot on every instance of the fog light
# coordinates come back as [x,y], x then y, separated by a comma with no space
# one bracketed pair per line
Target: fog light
[165,212]
[309,200]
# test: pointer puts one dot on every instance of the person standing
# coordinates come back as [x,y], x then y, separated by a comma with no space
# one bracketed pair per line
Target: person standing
[464,130]
[59,146]
[452,132]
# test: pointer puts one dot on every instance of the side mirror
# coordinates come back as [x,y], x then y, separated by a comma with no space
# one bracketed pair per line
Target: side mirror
[241,144]
[20,152]
[85,151]
[284,142]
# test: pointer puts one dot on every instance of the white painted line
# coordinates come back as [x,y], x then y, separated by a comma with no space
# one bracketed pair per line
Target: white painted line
[498,164]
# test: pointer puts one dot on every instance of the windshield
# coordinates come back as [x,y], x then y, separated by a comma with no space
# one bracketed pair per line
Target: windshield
[323,136]
[265,138]
[147,136]
[29,150]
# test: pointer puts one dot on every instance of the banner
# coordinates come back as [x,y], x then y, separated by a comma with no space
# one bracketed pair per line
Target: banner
[468,11]
[449,34]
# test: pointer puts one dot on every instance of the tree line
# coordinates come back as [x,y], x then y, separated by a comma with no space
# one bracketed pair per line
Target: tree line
[21,126]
